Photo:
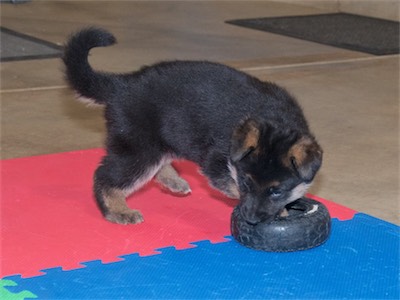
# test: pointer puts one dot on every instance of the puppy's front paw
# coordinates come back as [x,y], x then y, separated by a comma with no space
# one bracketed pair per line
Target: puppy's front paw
[128,217]
[177,186]
[170,179]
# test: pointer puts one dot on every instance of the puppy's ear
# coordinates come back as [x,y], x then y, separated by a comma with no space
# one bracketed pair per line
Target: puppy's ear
[245,139]
[305,158]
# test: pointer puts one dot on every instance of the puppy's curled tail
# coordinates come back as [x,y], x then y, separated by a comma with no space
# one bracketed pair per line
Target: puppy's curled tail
[92,85]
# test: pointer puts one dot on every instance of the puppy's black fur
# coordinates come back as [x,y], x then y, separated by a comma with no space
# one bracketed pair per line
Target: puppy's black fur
[249,137]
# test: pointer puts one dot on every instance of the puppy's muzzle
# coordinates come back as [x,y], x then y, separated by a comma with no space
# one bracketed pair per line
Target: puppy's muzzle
[253,217]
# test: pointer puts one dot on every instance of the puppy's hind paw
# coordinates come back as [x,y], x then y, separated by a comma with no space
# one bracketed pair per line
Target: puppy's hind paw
[124,218]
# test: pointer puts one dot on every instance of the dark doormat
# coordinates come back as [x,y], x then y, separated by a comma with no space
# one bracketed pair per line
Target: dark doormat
[17,46]
[348,31]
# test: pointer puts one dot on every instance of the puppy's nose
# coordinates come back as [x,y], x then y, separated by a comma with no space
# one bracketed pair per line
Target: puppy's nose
[252,222]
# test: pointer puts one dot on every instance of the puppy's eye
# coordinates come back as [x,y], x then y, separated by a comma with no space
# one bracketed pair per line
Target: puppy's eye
[275,192]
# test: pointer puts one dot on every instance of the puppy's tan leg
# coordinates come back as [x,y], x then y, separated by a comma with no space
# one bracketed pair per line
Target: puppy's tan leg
[115,179]
[169,178]
[221,175]
[117,210]
[231,190]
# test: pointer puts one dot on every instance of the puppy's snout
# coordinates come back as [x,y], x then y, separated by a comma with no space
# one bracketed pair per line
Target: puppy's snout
[254,217]
[248,215]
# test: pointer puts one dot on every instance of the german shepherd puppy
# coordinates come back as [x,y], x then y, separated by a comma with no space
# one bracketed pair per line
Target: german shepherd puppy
[250,138]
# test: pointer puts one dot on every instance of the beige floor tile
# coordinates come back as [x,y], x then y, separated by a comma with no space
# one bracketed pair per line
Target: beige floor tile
[152,31]
[42,122]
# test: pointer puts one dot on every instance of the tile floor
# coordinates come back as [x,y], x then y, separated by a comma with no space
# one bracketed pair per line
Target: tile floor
[350,98]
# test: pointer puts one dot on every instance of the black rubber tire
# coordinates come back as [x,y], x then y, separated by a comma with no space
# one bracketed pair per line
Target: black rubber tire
[307,226]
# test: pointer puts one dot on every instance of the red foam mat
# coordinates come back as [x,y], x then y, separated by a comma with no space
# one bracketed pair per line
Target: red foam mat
[50,219]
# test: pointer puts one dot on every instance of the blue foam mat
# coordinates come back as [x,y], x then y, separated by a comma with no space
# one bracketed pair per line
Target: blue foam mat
[359,261]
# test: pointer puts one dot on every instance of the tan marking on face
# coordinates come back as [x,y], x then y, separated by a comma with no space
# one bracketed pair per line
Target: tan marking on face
[267,185]
[298,192]
[272,184]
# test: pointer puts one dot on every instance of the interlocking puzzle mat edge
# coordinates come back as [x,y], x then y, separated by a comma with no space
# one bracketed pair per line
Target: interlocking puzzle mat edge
[357,262]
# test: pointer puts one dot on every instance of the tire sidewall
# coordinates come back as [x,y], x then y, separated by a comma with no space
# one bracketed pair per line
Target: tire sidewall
[298,232]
